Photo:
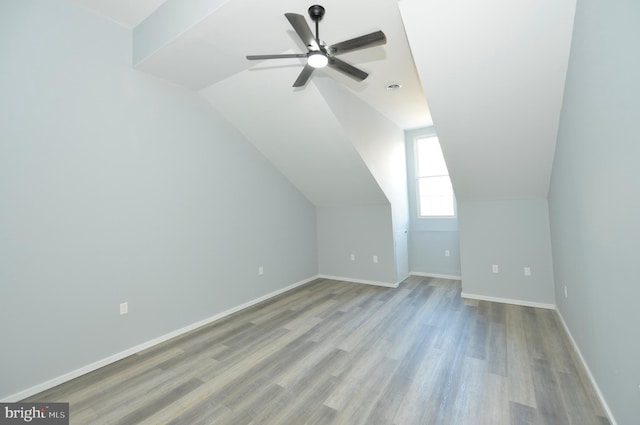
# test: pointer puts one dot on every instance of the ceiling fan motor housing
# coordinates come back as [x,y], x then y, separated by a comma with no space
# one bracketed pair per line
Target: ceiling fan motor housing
[316,12]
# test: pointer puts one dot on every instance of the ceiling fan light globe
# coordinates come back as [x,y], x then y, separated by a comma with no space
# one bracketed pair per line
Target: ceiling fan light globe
[317,60]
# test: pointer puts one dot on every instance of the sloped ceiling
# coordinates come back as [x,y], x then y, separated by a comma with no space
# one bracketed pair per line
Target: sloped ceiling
[493,73]
[127,13]
[294,128]
[299,134]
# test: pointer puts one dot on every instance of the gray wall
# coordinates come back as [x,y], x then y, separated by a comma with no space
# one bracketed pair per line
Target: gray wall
[511,235]
[380,144]
[427,252]
[114,187]
[595,199]
[429,238]
[362,230]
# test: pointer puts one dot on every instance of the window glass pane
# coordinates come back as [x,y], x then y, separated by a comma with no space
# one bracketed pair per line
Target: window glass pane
[435,186]
[436,206]
[430,159]
[435,192]
[446,206]
[425,206]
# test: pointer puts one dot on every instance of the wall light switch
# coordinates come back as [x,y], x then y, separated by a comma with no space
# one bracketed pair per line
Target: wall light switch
[566,294]
[447,253]
[495,268]
[124,308]
[527,271]
[260,270]
[353,257]
[375,258]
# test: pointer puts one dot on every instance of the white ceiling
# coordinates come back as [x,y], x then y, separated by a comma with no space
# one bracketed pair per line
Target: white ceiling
[493,72]
[209,56]
[323,164]
[126,12]
[215,47]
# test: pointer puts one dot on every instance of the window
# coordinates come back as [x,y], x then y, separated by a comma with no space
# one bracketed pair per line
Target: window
[435,193]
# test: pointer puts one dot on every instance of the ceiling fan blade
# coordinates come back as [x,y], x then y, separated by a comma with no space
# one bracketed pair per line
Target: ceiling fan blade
[299,23]
[369,40]
[283,56]
[350,70]
[304,76]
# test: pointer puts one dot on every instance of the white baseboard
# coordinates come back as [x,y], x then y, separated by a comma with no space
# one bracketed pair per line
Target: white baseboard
[126,353]
[589,374]
[438,276]
[408,275]
[508,301]
[366,282]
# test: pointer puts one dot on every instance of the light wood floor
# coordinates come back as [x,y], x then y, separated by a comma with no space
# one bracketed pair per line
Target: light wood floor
[342,353]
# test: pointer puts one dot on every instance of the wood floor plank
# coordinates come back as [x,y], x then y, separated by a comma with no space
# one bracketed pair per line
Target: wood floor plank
[356,408]
[478,336]
[577,403]
[468,407]
[322,416]
[120,403]
[366,332]
[362,363]
[298,404]
[449,379]
[149,408]
[495,401]
[205,412]
[332,352]
[83,416]
[554,342]
[548,398]
[521,389]
[521,414]
[497,349]
[534,332]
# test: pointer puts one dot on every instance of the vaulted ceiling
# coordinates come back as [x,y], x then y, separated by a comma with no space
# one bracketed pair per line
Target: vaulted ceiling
[492,72]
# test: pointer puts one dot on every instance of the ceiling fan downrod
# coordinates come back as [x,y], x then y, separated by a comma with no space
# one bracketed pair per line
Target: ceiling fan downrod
[316,12]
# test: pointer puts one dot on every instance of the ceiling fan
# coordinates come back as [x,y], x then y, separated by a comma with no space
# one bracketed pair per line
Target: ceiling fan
[319,54]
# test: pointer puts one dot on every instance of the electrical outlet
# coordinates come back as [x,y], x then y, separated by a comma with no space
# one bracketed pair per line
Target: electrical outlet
[260,270]
[566,294]
[124,308]
[447,253]
[353,257]
[527,271]
[495,268]
[375,258]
